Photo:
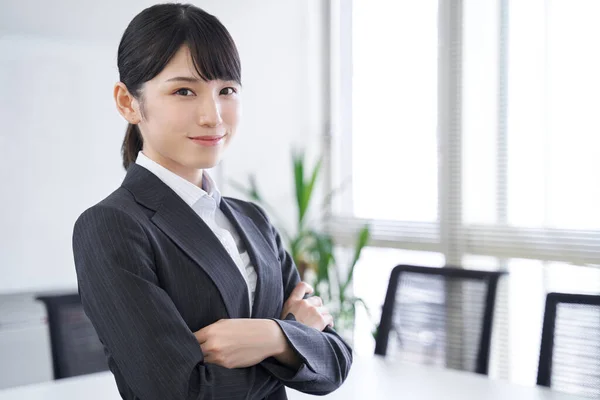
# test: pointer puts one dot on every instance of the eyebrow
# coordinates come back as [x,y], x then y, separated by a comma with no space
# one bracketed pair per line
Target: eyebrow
[183,79]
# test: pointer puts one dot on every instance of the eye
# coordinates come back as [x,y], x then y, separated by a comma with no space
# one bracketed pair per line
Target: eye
[184,92]
[228,91]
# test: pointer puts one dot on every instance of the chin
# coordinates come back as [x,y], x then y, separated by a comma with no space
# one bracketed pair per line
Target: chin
[204,163]
[206,159]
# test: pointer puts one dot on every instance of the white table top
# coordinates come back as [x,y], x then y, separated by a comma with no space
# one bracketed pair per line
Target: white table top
[370,378]
[378,378]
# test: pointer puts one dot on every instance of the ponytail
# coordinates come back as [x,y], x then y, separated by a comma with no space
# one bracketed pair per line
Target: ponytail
[132,144]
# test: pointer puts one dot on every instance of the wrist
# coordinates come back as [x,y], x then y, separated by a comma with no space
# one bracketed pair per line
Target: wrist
[277,344]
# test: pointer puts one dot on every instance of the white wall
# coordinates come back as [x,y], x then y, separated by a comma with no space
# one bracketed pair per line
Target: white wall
[60,134]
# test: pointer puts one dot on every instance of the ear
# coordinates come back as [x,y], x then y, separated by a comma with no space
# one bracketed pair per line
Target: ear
[127,105]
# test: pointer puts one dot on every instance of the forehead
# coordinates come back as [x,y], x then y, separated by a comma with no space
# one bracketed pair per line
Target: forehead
[181,64]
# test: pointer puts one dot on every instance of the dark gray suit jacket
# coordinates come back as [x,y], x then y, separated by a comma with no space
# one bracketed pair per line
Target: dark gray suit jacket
[151,272]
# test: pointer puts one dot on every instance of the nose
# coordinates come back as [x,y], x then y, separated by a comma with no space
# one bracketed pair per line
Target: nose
[210,112]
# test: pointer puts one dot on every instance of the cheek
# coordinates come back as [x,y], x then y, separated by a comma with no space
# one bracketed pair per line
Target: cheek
[231,113]
[171,116]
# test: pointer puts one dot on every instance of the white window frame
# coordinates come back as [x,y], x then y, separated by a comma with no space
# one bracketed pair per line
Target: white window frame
[449,236]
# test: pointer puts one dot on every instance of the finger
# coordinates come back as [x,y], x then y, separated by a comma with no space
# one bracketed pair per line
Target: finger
[201,335]
[300,290]
[209,353]
[205,351]
[209,359]
[315,301]
[328,319]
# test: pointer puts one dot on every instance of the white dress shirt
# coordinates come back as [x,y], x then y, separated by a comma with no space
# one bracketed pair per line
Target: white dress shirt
[205,202]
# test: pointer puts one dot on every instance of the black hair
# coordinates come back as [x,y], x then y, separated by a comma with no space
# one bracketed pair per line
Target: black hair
[153,37]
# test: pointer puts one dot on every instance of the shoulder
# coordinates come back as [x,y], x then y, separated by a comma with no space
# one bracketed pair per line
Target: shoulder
[116,210]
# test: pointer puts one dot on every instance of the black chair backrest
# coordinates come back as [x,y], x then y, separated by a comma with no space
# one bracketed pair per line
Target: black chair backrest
[570,349]
[439,316]
[76,349]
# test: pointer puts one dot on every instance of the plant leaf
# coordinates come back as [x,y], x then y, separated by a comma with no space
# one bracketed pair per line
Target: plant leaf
[333,193]
[322,248]
[362,302]
[298,160]
[362,241]
[325,256]
[309,187]
[304,189]
[325,206]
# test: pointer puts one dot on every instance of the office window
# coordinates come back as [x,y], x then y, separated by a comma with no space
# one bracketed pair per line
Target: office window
[394,103]
[472,128]
[553,103]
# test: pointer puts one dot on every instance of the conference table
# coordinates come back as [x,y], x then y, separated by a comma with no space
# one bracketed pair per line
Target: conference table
[370,378]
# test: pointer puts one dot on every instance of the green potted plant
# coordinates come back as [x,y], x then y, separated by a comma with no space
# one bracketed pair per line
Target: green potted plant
[313,249]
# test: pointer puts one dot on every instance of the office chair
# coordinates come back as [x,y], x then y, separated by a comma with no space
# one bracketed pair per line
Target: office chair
[570,348]
[439,316]
[76,349]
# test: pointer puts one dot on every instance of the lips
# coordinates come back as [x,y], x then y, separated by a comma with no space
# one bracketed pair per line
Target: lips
[208,140]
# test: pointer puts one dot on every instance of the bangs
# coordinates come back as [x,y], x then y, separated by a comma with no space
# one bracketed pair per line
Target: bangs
[213,51]
[154,36]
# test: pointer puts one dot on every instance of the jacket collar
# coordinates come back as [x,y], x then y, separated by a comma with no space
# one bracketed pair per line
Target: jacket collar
[189,232]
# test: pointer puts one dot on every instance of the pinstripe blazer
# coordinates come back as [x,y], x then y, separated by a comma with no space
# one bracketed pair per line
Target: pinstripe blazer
[151,272]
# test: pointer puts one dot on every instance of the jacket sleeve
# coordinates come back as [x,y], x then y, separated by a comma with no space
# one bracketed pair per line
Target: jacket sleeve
[326,357]
[136,320]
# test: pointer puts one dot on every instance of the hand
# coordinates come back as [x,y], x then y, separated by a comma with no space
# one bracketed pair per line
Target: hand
[310,311]
[240,343]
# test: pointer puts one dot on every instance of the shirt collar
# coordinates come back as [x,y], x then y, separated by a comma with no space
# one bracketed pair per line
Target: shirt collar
[185,189]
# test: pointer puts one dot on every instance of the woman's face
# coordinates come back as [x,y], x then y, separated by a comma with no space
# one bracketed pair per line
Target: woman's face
[186,122]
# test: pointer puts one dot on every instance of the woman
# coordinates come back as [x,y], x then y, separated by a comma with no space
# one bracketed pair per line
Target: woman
[191,293]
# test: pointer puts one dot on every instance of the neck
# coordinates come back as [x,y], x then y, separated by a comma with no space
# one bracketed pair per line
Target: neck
[192,175]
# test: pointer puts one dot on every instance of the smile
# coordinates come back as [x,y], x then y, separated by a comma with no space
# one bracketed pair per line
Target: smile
[208,140]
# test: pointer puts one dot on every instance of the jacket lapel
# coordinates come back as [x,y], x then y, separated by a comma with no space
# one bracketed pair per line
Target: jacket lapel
[267,297]
[187,230]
